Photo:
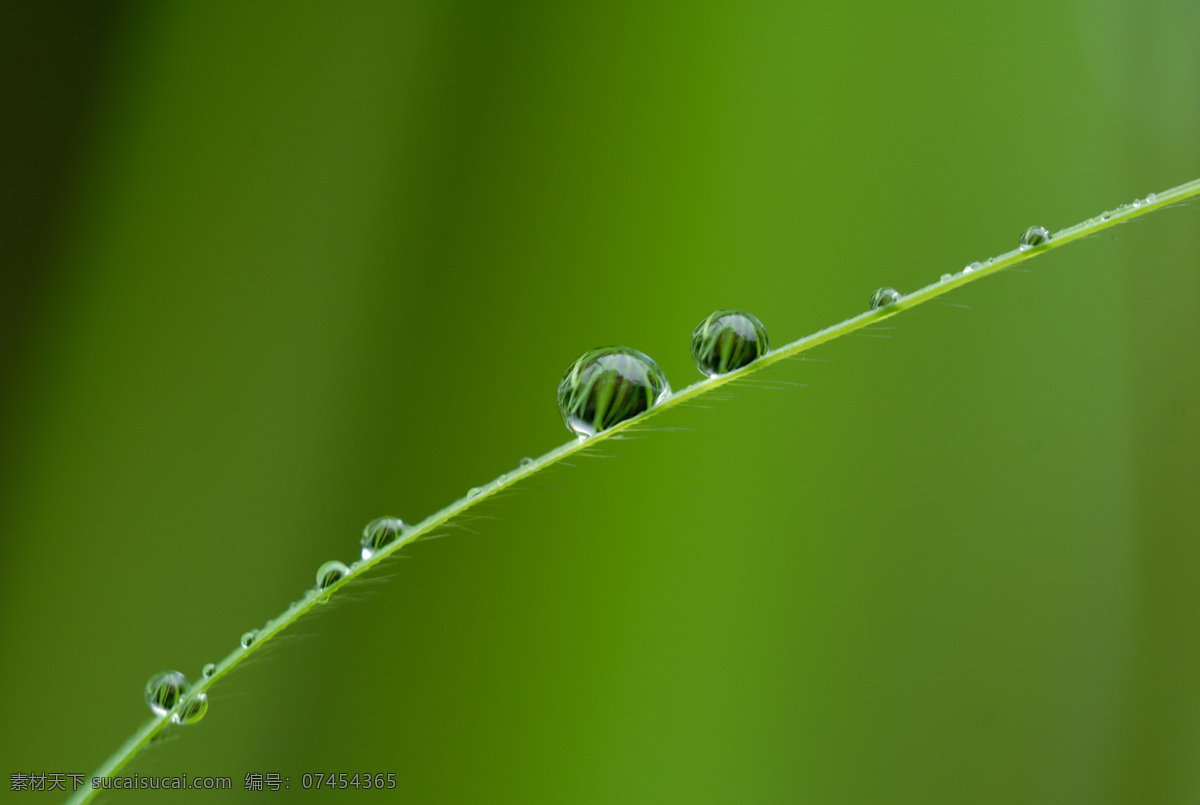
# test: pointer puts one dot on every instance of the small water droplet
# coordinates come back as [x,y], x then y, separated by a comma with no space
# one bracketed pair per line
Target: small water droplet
[1137,202]
[607,386]
[473,491]
[1150,198]
[209,670]
[975,266]
[947,277]
[884,297]
[249,637]
[526,462]
[726,340]
[164,691]
[331,573]
[380,532]
[1034,236]
[193,710]
[1104,216]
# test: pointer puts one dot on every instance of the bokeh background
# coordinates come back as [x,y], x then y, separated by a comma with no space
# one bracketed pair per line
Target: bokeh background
[273,269]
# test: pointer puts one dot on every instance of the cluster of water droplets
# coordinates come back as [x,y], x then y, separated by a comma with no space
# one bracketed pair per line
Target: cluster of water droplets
[605,387]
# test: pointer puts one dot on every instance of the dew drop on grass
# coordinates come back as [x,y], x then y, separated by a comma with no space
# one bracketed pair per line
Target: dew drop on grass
[1150,198]
[473,491]
[208,670]
[1034,236]
[380,533]
[526,462]
[192,711]
[331,573]
[164,691]
[607,386]
[884,297]
[975,266]
[249,637]
[947,277]
[726,340]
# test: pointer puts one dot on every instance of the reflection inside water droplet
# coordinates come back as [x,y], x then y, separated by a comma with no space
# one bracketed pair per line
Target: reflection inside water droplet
[884,297]
[331,573]
[164,690]
[726,340]
[607,386]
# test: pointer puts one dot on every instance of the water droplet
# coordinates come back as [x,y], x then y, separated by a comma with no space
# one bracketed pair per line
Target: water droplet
[526,462]
[884,297]
[1105,216]
[975,266]
[209,670]
[164,691]
[947,277]
[1150,198]
[193,710]
[331,573]
[726,340]
[607,386]
[472,492]
[1034,236]
[249,637]
[1137,202]
[380,532]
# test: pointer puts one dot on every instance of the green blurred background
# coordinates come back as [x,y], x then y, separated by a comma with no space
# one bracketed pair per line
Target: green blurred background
[271,270]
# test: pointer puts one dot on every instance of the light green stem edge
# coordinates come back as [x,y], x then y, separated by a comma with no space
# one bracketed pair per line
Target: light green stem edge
[313,598]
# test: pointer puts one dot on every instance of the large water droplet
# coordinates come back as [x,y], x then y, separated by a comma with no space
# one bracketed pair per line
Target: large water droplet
[607,386]
[331,573]
[208,670]
[249,637]
[1034,236]
[379,533]
[164,691]
[192,711]
[726,340]
[884,297]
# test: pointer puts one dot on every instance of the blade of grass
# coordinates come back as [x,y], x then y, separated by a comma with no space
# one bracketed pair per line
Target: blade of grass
[154,727]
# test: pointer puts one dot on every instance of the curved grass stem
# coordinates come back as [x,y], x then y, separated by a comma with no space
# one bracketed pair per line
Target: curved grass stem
[152,728]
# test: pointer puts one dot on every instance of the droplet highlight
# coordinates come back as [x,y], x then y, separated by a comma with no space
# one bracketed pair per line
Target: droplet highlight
[1034,236]
[208,670]
[884,297]
[164,691]
[607,386]
[380,533]
[193,710]
[727,340]
[331,573]
[975,266]
[249,637]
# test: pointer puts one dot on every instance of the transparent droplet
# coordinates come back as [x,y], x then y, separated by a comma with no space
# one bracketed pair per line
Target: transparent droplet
[380,532]
[193,710]
[526,462]
[164,691]
[607,386]
[947,277]
[330,573]
[1034,236]
[884,297]
[249,637]
[473,491]
[208,670]
[1105,216]
[726,340]
[1150,198]
[1137,202]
